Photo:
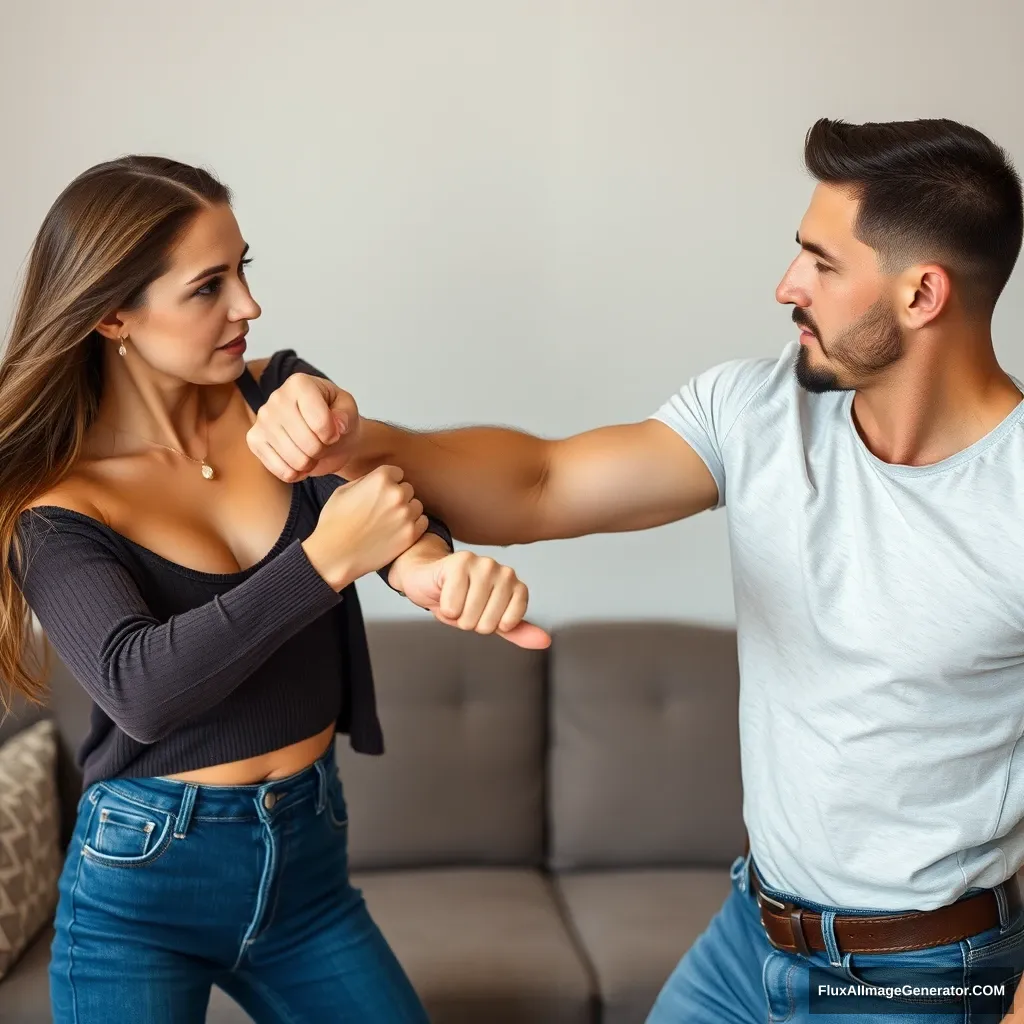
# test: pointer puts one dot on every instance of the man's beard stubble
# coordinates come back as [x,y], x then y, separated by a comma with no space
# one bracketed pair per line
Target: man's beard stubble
[863,349]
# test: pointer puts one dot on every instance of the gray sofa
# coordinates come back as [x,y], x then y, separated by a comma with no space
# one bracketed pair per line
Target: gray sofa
[548,831]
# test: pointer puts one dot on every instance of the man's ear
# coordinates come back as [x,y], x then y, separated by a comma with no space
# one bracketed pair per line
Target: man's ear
[923,293]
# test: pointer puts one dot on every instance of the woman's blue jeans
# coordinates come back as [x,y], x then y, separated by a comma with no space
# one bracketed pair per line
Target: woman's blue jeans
[733,975]
[170,888]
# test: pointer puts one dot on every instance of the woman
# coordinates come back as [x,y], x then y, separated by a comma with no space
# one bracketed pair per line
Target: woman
[222,650]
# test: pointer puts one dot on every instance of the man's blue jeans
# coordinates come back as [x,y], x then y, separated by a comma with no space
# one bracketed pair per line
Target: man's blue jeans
[733,975]
[170,888]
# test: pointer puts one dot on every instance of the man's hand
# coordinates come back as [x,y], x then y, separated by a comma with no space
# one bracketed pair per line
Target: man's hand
[468,591]
[307,427]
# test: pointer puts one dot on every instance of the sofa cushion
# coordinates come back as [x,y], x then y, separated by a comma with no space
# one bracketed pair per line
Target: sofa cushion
[224,1010]
[25,992]
[20,716]
[69,706]
[20,713]
[482,944]
[30,855]
[462,779]
[644,759]
[636,925]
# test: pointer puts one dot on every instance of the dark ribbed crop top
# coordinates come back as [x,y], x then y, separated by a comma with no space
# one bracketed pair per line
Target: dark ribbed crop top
[188,669]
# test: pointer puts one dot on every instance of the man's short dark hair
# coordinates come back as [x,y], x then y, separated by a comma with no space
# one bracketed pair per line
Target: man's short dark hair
[929,191]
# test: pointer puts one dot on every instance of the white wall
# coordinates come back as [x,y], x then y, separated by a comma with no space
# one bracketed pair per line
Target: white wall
[548,214]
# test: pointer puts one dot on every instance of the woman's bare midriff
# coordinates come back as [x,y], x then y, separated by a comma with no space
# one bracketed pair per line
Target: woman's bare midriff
[274,765]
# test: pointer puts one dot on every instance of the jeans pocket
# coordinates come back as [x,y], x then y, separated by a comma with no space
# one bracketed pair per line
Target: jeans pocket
[779,977]
[909,978]
[122,833]
[336,808]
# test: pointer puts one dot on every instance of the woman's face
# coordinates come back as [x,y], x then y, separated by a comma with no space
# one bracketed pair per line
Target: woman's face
[200,305]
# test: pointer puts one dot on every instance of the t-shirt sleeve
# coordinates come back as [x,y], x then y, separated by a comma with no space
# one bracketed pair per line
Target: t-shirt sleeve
[279,368]
[706,409]
[151,676]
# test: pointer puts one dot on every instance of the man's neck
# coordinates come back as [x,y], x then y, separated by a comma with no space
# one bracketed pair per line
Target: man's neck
[941,398]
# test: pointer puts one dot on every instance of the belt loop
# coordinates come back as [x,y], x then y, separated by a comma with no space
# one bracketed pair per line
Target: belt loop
[321,786]
[828,933]
[188,800]
[1002,903]
[739,872]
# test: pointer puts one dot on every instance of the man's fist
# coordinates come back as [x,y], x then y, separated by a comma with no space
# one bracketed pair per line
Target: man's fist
[471,592]
[307,427]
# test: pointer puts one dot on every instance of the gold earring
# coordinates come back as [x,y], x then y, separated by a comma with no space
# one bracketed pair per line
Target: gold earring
[121,350]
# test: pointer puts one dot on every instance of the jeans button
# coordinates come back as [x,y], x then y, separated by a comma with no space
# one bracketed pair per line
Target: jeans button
[269,800]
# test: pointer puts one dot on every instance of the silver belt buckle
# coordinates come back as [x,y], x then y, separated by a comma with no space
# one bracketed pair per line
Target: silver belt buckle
[794,914]
[767,899]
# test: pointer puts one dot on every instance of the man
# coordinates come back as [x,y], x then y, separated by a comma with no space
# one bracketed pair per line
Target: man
[873,476]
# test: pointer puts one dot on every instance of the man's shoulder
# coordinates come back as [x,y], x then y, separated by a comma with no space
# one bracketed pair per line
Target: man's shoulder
[754,372]
[726,389]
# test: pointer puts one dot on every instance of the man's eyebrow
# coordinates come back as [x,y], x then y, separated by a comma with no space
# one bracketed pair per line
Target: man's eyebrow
[210,271]
[818,250]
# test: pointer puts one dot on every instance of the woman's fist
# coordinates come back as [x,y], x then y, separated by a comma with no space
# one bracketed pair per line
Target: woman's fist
[364,525]
[307,427]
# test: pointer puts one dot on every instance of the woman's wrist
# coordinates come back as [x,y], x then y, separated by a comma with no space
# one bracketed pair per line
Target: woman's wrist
[337,571]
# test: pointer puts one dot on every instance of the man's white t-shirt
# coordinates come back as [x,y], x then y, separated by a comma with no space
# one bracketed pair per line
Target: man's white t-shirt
[880,618]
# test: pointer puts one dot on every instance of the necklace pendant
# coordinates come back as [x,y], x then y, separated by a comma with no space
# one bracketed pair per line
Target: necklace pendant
[207,471]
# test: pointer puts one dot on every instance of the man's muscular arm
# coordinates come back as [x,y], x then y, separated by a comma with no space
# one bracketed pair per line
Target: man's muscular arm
[498,486]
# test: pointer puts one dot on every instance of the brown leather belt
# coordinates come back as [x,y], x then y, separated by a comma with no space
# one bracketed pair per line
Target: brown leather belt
[792,928]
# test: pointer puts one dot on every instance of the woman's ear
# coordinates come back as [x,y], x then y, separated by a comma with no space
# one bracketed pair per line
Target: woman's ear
[111,327]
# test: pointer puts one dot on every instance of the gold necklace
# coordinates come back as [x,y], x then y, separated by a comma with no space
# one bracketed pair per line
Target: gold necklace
[207,469]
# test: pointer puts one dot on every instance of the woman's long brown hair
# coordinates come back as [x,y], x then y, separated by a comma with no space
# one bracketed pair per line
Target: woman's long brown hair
[107,236]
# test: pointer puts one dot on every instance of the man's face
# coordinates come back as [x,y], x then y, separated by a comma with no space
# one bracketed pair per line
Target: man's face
[841,299]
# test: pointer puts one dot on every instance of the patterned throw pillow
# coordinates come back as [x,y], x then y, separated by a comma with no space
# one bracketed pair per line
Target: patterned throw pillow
[30,855]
